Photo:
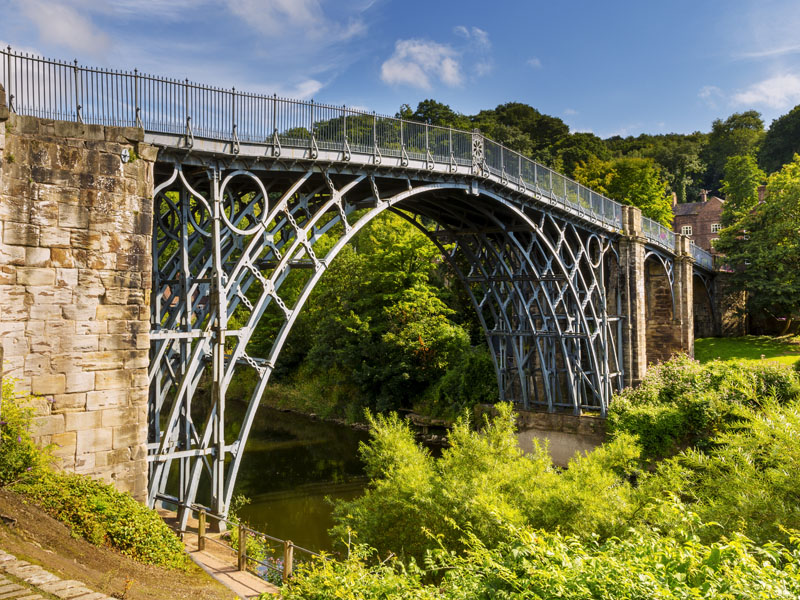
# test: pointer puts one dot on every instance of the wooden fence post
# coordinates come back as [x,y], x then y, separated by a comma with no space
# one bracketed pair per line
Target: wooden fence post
[201,530]
[288,558]
[242,547]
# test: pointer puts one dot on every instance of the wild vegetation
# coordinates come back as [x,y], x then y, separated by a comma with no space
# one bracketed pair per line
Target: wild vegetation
[693,496]
[91,509]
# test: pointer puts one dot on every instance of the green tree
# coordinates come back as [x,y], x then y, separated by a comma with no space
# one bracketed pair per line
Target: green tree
[578,148]
[738,135]
[764,248]
[781,141]
[435,113]
[633,181]
[740,188]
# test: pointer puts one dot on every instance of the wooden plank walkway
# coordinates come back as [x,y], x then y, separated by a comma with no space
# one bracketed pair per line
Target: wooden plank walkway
[220,562]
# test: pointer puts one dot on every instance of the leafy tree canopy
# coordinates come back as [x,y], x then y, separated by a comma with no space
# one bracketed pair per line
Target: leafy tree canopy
[781,141]
[738,135]
[634,181]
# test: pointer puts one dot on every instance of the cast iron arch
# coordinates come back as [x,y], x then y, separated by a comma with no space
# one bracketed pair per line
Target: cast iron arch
[224,237]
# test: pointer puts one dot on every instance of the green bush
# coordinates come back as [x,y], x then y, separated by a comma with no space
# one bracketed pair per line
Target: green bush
[682,403]
[103,516]
[546,565]
[481,481]
[470,381]
[18,454]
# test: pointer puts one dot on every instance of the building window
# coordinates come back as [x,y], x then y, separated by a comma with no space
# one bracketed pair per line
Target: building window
[715,227]
[686,230]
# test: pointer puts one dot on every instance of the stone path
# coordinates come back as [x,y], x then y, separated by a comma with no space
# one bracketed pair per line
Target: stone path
[39,582]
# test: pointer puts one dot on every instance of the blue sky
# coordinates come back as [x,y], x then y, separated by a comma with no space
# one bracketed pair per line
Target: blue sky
[612,67]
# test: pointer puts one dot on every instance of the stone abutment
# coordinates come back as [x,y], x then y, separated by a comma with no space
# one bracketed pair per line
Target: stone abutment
[75,272]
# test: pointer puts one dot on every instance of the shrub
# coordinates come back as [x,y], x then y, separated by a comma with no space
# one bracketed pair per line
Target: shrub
[103,516]
[545,565]
[18,454]
[481,481]
[682,403]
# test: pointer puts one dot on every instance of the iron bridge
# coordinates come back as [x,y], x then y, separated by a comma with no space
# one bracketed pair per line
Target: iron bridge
[248,185]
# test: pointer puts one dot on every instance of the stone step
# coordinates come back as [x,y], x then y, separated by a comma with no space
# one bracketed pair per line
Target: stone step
[39,580]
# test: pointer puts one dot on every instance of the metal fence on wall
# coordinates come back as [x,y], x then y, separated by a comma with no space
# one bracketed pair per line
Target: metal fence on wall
[62,90]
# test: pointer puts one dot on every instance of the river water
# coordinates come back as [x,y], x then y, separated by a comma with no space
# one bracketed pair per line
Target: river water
[291,463]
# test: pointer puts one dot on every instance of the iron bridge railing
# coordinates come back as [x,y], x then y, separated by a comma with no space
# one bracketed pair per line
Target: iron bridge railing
[60,90]
[704,258]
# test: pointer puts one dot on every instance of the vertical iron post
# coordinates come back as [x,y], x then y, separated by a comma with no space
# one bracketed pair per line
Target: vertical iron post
[79,118]
[220,304]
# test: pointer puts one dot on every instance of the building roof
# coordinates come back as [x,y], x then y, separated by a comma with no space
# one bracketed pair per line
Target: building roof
[687,209]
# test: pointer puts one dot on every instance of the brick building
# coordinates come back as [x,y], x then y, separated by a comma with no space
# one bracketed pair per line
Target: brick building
[699,220]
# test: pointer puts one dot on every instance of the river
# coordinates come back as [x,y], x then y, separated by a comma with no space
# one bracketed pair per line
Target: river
[291,463]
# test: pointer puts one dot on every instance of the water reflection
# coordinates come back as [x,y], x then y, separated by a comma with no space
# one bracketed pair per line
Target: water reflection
[290,464]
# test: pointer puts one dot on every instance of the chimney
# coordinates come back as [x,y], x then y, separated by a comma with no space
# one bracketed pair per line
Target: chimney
[674,199]
[762,192]
[704,195]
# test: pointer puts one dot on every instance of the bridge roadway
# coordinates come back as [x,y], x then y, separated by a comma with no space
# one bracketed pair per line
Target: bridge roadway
[575,292]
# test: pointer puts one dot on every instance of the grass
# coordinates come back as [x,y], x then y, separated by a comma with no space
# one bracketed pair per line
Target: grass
[784,349]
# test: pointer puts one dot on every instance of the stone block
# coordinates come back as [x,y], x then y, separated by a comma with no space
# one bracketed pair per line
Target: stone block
[62,257]
[139,378]
[21,234]
[117,312]
[43,385]
[94,440]
[81,421]
[8,275]
[80,381]
[98,400]
[117,342]
[117,417]
[83,311]
[48,425]
[15,344]
[37,257]
[104,360]
[36,364]
[69,403]
[137,359]
[54,237]
[91,327]
[67,278]
[127,436]
[13,255]
[50,295]
[85,463]
[80,343]
[117,379]
[64,444]
[72,215]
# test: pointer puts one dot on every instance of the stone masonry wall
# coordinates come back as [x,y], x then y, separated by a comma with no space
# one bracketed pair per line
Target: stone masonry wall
[75,273]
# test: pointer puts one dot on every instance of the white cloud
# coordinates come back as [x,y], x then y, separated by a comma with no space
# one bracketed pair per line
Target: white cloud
[710,94]
[477,49]
[780,92]
[417,62]
[534,63]
[570,112]
[475,35]
[282,18]
[772,52]
[62,25]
